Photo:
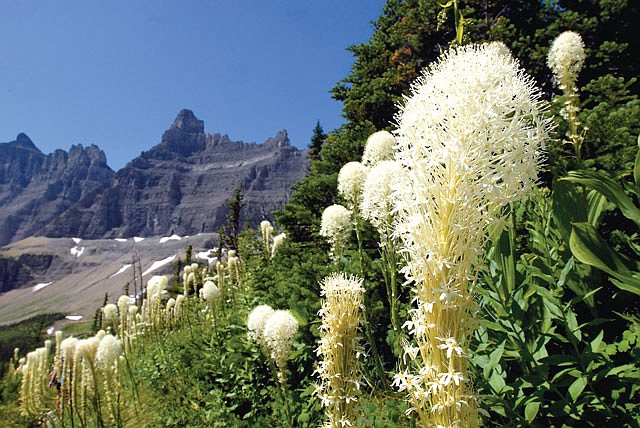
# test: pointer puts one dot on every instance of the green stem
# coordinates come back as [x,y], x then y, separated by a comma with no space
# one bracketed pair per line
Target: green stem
[367,325]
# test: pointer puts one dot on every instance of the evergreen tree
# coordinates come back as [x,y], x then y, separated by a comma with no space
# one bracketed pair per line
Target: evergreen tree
[317,140]
[232,228]
[410,34]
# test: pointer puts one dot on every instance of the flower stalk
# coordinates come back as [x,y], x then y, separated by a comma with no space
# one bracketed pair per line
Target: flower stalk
[469,141]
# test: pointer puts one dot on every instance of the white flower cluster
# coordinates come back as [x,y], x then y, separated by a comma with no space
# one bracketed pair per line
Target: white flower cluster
[152,311]
[274,331]
[377,194]
[109,314]
[278,240]
[566,58]
[210,292]
[350,181]
[108,351]
[337,221]
[469,139]
[379,148]
[279,331]
[270,247]
[340,347]
[33,383]
[267,229]
[189,277]
[87,370]
[336,226]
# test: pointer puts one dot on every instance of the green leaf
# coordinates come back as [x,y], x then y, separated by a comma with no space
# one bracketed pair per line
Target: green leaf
[595,343]
[596,202]
[624,285]
[494,359]
[295,311]
[562,278]
[559,360]
[588,247]
[572,325]
[569,206]
[636,166]
[609,188]
[622,371]
[576,388]
[496,382]
[531,410]
[569,371]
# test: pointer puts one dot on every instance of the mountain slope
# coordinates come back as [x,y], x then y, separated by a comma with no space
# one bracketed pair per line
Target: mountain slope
[179,186]
[36,188]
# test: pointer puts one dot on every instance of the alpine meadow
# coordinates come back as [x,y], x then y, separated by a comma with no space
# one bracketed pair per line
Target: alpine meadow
[463,252]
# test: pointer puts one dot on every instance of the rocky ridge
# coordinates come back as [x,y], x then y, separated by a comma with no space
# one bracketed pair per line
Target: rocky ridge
[179,186]
[36,188]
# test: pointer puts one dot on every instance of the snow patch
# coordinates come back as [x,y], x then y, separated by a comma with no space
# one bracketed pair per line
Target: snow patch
[51,330]
[121,239]
[122,269]
[173,237]
[158,264]
[77,251]
[76,240]
[74,317]
[137,239]
[206,255]
[40,286]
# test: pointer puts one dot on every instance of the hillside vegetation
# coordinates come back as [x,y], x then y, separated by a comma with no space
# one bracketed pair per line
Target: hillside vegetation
[478,265]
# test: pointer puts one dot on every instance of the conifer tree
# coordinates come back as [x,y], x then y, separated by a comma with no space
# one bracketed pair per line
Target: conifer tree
[317,140]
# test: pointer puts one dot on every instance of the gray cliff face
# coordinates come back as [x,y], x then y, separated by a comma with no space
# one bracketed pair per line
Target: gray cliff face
[181,186]
[25,270]
[36,188]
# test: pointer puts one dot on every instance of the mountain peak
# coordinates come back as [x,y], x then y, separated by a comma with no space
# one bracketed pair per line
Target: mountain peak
[186,121]
[280,140]
[23,140]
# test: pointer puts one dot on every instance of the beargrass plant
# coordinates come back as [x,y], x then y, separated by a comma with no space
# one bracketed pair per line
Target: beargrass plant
[274,331]
[379,147]
[267,230]
[566,58]
[377,208]
[469,138]
[336,227]
[340,349]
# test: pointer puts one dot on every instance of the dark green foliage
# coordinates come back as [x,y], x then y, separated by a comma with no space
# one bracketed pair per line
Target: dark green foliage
[232,227]
[207,377]
[544,351]
[300,217]
[612,115]
[187,255]
[317,140]
[25,335]
[97,316]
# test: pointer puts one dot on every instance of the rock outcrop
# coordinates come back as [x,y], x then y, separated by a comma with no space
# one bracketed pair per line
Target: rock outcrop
[180,186]
[36,188]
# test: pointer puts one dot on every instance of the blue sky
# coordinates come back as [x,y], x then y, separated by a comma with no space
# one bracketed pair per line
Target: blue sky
[116,73]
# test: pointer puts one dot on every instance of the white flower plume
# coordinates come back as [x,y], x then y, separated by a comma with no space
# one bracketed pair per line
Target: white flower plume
[469,139]
[566,58]
[379,148]
[336,226]
[350,180]
[377,193]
